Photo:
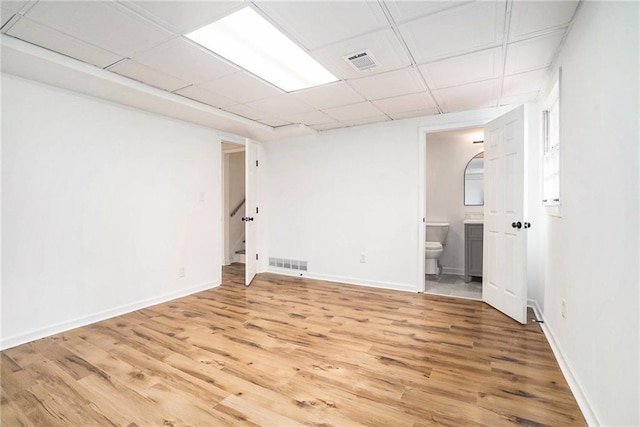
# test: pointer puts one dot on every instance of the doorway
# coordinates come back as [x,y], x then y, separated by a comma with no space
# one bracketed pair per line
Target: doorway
[233,202]
[505,224]
[448,180]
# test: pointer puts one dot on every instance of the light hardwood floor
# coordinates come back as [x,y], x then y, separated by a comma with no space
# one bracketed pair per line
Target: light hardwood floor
[290,351]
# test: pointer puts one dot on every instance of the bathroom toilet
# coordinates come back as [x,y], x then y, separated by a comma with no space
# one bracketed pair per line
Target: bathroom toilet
[434,245]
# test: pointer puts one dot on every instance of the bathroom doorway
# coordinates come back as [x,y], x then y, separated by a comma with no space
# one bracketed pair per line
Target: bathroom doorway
[450,173]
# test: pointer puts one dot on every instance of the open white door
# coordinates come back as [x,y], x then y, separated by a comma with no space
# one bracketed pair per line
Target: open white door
[251,211]
[504,283]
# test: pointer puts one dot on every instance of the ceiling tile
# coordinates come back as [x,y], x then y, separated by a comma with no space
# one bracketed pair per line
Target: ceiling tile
[274,122]
[473,67]
[14,6]
[327,96]
[468,97]
[518,99]
[402,104]
[353,112]
[206,97]
[248,112]
[327,126]
[367,120]
[454,31]
[40,35]
[310,118]
[532,53]
[103,24]
[410,114]
[530,17]
[282,105]
[184,16]
[393,83]
[187,61]
[5,16]
[242,87]
[523,83]
[406,10]
[319,23]
[142,73]
[383,45]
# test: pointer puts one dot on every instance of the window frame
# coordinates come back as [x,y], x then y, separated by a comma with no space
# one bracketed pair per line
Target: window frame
[552,150]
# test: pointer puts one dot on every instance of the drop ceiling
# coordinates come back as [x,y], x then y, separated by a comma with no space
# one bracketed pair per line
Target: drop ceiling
[432,56]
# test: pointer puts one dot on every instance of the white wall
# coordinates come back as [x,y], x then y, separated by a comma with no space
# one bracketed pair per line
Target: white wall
[592,250]
[447,156]
[101,207]
[332,197]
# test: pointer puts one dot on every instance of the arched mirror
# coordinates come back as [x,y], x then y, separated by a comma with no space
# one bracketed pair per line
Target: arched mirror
[474,181]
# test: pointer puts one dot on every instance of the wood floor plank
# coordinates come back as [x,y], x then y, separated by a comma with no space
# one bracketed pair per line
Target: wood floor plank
[291,351]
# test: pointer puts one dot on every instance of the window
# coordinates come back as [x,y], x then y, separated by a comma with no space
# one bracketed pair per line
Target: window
[551,194]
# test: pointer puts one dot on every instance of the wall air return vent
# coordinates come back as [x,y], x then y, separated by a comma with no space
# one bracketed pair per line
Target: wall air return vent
[290,264]
[361,61]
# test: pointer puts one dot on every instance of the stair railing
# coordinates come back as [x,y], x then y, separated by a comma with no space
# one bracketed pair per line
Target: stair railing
[237,208]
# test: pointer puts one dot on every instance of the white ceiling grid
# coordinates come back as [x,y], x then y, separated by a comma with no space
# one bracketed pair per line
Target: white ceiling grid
[433,56]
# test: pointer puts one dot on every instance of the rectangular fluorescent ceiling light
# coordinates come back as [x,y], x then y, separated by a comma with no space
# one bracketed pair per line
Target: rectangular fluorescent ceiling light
[249,41]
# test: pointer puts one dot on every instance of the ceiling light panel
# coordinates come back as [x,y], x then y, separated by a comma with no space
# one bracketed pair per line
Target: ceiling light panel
[248,40]
[320,23]
[104,24]
[455,31]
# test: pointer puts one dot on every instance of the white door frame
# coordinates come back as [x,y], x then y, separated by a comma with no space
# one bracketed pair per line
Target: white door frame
[237,140]
[422,177]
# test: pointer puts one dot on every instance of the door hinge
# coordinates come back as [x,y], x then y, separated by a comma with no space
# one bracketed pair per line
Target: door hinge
[256,163]
[256,209]
[256,257]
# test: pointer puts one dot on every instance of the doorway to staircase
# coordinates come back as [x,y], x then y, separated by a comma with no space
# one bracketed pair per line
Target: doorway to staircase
[233,167]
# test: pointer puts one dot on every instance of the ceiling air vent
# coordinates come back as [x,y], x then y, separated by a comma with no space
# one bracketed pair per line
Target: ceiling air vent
[361,61]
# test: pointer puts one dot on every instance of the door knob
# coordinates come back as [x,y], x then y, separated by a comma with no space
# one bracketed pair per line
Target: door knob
[247,218]
[527,225]
[516,224]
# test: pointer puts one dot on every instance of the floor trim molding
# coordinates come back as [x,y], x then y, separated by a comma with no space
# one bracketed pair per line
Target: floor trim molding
[33,335]
[347,280]
[565,367]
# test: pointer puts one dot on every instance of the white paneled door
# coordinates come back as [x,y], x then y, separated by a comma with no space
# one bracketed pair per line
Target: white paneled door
[251,211]
[504,270]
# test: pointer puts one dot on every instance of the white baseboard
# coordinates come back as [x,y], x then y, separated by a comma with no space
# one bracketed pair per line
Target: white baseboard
[15,340]
[340,279]
[453,270]
[568,372]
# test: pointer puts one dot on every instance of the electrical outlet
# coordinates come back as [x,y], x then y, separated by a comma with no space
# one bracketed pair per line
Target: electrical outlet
[363,258]
[182,272]
[564,309]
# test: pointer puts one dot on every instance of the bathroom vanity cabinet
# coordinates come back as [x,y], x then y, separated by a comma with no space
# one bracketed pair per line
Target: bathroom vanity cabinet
[473,235]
